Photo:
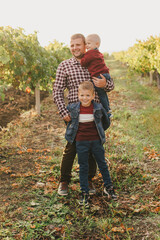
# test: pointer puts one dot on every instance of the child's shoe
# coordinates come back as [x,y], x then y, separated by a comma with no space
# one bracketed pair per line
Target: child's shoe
[83,200]
[110,193]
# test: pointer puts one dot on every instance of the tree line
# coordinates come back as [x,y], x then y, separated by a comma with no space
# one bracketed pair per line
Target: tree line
[143,57]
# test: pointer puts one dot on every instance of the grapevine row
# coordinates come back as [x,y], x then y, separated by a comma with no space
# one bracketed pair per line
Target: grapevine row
[143,57]
[24,63]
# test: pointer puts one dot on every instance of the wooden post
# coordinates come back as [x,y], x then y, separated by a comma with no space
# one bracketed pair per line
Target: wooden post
[151,77]
[158,80]
[37,99]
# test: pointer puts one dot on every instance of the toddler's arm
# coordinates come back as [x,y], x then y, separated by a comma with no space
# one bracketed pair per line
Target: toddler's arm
[87,58]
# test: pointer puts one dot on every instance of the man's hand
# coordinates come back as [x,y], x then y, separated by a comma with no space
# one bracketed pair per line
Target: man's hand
[67,118]
[100,83]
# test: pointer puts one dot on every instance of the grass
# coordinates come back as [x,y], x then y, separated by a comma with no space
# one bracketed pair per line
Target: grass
[30,171]
[138,114]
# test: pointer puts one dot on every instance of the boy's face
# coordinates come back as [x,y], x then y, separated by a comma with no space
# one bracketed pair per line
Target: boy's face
[77,47]
[86,97]
[90,44]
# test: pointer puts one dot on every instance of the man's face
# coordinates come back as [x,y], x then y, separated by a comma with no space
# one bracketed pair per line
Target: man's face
[77,47]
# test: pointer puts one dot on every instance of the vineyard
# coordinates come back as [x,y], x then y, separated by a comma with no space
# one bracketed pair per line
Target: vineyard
[143,58]
[26,65]
[31,148]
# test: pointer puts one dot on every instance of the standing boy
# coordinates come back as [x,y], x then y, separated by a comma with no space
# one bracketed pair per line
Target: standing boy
[88,121]
[94,61]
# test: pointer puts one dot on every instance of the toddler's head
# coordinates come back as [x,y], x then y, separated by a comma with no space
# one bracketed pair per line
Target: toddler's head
[86,93]
[92,41]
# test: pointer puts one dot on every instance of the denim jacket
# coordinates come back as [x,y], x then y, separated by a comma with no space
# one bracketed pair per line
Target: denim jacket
[101,119]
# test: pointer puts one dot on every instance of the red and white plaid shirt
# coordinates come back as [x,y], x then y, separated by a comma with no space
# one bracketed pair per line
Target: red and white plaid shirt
[69,75]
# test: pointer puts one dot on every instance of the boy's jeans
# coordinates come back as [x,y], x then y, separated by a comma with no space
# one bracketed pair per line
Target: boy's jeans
[83,148]
[102,94]
[67,163]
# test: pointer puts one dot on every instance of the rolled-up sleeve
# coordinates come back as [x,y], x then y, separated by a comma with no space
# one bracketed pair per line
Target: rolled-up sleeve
[109,85]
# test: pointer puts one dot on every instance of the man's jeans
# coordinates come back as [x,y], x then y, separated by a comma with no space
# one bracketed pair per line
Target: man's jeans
[67,163]
[97,149]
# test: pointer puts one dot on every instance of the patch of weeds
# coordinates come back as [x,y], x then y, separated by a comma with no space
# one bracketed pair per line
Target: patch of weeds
[58,151]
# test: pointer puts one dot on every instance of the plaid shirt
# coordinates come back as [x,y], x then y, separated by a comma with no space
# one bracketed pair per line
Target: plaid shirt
[69,75]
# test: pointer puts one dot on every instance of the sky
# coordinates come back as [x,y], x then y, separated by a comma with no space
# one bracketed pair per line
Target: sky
[119,23]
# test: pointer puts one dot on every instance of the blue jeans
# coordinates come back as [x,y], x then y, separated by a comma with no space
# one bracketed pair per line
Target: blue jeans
[102,94]
[83,148]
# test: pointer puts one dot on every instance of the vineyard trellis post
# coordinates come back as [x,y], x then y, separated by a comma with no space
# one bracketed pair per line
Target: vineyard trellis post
[37,99]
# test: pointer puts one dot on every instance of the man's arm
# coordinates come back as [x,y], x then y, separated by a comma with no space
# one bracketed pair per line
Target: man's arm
[60,85]
[107,84]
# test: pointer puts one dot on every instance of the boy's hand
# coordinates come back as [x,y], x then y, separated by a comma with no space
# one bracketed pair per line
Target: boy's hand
[101,83]
[67,118]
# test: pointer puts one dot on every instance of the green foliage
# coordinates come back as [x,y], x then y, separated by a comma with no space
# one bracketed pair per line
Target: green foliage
[23,62]
[59,50]
[142,57]
[106,55]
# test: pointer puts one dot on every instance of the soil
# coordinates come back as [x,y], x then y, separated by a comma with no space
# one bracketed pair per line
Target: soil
[29,148]
[38,133]
[15,101]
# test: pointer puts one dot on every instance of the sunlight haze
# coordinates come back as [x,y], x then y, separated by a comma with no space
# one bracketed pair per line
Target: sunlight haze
[118,23]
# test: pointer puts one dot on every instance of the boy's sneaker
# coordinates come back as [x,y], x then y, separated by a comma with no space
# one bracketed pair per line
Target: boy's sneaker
[83,199]
[110,193]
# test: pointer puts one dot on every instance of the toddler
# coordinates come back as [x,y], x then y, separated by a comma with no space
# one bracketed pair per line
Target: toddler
[94,61]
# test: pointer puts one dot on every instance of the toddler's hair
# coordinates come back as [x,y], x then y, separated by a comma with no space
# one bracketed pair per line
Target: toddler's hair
[86,85]
[78,35]
[94,37]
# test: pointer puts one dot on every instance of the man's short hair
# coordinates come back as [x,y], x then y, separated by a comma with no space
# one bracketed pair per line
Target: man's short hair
[86,85]
[78,35]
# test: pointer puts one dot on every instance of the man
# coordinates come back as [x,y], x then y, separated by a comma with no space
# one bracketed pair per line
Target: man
[69,75]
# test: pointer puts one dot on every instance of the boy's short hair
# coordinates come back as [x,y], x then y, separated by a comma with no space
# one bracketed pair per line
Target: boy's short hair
[95,38]
[78,35]
[86,85]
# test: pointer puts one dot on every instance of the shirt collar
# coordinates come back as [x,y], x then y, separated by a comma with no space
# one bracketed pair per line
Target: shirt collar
[75,61]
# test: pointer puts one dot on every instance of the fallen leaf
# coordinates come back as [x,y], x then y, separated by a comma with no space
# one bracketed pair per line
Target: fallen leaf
[15,185]
[34,204]
[40,185]
[130,229]
[122,226]
[156,210]
[32,226]
[74,187]
[107,238]
[51,179]
[135,197]
[30,150]
[117,229]
[4,161]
